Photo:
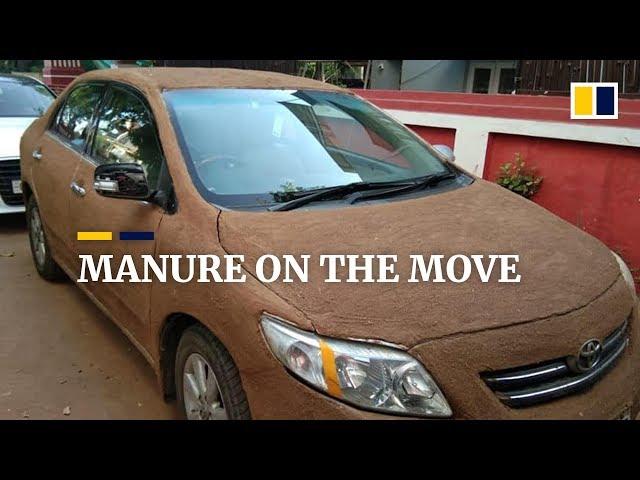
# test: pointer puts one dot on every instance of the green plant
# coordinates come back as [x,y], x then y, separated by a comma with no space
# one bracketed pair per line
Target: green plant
[519,179]
[7,66]
[326,71]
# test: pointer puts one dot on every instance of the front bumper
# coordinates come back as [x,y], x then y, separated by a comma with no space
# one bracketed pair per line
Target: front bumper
[10,202]
[457,361]
[4,208]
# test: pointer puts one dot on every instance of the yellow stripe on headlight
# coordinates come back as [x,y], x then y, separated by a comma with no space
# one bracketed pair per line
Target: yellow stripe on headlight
[329,369]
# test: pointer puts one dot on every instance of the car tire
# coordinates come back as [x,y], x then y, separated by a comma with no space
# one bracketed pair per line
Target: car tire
[200,351]
[40,250]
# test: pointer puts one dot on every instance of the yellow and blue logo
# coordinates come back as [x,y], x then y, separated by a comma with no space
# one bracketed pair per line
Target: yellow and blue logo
[594,101]
[108,236]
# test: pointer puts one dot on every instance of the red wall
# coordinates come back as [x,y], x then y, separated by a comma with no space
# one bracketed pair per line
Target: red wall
[526,107]
[57,78]
[435,135]
[594,186]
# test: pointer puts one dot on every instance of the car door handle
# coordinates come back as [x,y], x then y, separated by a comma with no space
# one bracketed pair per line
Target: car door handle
[78,190]
[37,154]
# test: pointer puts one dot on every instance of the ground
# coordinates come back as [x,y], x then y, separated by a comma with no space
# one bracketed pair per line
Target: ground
[58,353]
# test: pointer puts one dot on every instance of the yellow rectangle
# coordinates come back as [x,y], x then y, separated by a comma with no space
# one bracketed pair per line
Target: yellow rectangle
[95,235]
[583,98]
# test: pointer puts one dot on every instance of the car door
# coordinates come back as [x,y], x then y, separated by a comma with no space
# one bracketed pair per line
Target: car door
[55,158]
[125,132]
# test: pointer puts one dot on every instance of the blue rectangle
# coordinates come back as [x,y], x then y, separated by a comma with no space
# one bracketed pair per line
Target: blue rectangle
[604,101]
[136,235]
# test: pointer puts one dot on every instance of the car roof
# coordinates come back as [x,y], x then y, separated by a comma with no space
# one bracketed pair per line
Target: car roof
[165,78]
[18,78]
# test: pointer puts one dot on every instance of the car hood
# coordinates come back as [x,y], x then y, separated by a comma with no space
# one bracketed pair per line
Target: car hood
[562,267]
[11,129]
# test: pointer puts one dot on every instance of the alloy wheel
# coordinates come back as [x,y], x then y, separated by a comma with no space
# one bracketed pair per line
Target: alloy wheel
[201,391]
[36,234]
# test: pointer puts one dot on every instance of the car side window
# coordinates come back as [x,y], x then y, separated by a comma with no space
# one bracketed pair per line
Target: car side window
[126,134]
[74,119]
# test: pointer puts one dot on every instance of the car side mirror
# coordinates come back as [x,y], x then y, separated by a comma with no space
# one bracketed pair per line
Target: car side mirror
[446,151]
[121,180]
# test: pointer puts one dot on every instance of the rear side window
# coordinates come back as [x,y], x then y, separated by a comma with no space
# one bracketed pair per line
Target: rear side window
[126,134]
[75,117]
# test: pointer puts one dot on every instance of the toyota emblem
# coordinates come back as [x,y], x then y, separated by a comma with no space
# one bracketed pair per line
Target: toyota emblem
[588,356]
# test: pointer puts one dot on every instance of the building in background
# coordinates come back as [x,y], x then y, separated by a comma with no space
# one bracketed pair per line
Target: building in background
[57,74]
[524,77]
[471,76]
[554,77]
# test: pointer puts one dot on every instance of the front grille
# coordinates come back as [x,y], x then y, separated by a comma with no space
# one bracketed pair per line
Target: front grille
[10,170]
[533,384]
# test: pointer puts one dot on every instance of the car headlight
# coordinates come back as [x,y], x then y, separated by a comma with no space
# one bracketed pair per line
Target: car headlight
[370,376]
[626,274]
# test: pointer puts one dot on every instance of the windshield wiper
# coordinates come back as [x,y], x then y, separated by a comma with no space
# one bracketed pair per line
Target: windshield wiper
[332,192]
[424,182]
[385,189]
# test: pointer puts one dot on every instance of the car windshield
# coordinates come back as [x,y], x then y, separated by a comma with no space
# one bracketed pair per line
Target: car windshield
[23,97]
[248,146]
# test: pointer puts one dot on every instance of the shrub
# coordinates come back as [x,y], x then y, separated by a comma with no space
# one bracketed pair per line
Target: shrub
[516,177]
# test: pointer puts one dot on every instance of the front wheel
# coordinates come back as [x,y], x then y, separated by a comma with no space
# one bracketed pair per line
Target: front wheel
[208,383]
[45,264]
